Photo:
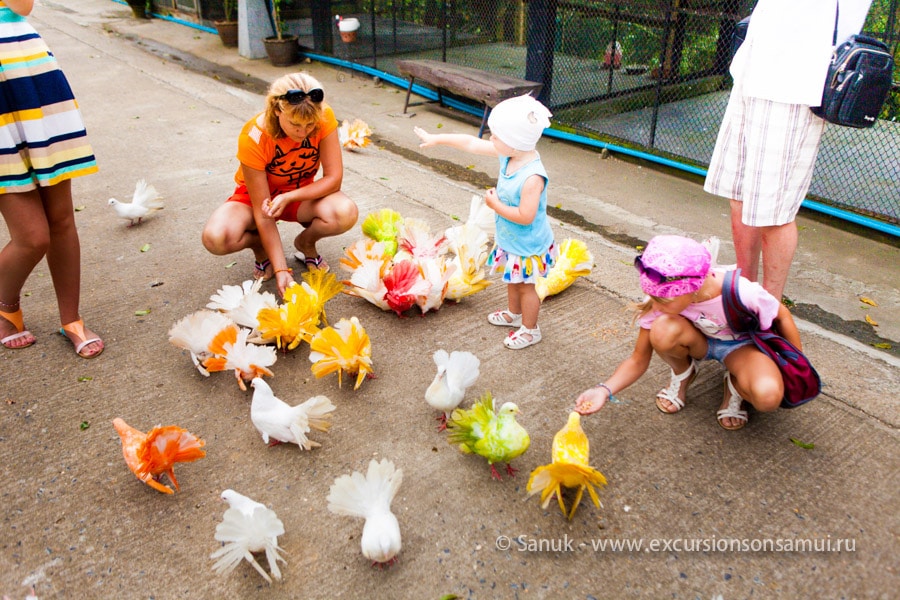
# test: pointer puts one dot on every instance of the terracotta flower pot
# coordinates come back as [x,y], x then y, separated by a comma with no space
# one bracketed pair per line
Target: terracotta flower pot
[228,33]
[283,52]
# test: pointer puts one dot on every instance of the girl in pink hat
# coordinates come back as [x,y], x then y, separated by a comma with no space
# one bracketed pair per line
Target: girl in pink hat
[524,248]
[683,320]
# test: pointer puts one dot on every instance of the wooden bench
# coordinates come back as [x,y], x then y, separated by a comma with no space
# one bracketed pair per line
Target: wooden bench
[485,88]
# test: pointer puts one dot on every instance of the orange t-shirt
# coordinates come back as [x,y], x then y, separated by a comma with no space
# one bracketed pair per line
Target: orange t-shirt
[289,165]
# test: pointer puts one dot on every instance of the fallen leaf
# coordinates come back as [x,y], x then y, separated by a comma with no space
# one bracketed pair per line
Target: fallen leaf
[803,445]
[470,167]
[141,313]
[871,321]
[454,217]
[84,425]
[80,208]
[883,346]
[26,294]
[155,283]
[231,264]
[558,206]
[84,378]
[145,248]
[439,125]
[868,301]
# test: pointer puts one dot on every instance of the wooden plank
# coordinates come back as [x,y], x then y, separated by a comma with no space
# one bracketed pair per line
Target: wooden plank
[487,88]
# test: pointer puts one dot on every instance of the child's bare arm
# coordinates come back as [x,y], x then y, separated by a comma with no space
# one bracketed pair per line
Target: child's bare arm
[786,327]
[530,199]
[460,141]
[628,371]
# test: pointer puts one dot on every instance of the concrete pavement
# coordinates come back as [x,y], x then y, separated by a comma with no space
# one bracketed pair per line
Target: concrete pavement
[76,523]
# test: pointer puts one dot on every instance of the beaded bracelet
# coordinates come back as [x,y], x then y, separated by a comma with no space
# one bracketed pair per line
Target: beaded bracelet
[288,270]
[605,387]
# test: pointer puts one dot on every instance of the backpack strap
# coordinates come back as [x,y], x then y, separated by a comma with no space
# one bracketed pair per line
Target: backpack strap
[740,318]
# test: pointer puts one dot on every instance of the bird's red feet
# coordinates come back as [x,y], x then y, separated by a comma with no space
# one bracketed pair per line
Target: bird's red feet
[510,471]
[385,565]
[274,443]
[495,474]
[443,419]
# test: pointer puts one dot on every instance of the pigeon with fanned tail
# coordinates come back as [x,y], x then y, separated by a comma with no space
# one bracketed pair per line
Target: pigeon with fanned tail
[279,422]
[370,497]
[231,351]
[569,468]
[354,135]
[404,284]
[247,527]
[456,372]
[149,455]
[496,436]
[344,348]
[144,201]
[383,226]
[195,332]
[574,261]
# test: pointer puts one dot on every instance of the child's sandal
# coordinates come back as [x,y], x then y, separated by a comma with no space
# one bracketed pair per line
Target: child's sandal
[504,318]
[517,340]
[733,410]
[76,328]
[260,270]
[18,322]
[671,393]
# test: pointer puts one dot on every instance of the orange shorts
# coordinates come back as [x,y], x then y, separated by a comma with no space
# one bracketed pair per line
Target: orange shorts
[290,212]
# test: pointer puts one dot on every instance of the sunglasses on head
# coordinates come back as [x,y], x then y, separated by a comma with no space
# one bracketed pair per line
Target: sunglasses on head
[295,97]
[655,276]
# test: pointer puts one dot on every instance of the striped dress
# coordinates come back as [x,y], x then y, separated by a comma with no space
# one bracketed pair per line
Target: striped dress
[42,136]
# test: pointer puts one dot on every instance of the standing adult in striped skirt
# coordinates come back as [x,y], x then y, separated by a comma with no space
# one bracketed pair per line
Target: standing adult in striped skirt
[43,145]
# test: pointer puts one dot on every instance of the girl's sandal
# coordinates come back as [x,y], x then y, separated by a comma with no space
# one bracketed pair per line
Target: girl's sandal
[76,329]
[733,410]
[516,340]
[261,270]
[671,393]
[504,318]
[18,322]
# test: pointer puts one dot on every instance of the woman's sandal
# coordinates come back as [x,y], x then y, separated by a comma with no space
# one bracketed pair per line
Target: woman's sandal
[504,318]
[76,328]
[516,340]
[733,410]
[671,393]
[19,323]
[260,270]
[312,264]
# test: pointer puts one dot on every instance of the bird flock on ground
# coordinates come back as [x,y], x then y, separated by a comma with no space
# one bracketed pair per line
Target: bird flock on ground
[399,264]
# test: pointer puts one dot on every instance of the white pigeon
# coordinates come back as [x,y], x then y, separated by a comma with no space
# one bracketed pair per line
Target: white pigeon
[144,201]
[194,333]
[278,421]
[455,373]
[247,527]
[370,497]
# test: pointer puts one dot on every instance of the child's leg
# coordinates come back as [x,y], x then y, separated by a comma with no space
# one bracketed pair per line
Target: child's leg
[755,378]
[530,303]
[29,238]
[678,343]
[64,258]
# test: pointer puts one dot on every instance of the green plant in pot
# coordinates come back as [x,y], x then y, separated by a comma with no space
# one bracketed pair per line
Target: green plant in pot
[228,27]
[281,48]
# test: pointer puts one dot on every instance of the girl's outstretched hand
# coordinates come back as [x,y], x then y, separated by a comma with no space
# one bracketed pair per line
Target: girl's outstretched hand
[427,138]
[592,400]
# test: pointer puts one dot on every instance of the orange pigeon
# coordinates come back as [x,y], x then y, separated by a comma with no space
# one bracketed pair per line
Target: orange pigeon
[151,454]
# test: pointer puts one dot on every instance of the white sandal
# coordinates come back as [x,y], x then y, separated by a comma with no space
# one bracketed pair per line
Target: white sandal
[516,340]
[504,318]
[671,393]
[733,410]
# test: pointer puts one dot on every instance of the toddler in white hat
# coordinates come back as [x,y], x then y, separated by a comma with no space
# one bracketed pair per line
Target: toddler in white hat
[524,248]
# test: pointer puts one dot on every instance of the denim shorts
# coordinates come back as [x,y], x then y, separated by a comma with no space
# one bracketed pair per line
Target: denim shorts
[719,349]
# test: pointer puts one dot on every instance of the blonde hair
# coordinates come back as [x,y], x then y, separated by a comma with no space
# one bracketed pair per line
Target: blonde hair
[305,112]
[644,307]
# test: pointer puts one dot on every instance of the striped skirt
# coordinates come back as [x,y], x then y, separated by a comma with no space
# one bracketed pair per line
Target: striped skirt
[42,135]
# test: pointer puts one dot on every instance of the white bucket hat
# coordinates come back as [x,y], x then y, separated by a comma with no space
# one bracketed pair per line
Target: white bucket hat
[519,122]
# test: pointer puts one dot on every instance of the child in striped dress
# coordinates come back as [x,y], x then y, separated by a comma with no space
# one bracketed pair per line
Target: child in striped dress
[43,145]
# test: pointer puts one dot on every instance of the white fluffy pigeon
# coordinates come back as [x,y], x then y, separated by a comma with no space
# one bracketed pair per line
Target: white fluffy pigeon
[370,497]
[279,422]
[455,373]
[144,201]
[247,527]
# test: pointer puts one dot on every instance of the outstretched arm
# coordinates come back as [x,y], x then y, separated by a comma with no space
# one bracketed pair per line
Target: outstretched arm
[460,141]
[628,371]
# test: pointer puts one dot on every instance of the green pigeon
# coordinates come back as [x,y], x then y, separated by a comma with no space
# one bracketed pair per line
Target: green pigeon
[494,435]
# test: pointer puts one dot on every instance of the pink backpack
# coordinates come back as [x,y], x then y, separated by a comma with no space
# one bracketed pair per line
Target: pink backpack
[801,382]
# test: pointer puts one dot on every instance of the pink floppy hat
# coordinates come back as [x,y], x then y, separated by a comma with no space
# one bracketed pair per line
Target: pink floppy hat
[672,265]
